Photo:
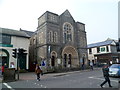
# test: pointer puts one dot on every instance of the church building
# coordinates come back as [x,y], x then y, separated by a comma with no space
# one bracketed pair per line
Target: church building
[58,43]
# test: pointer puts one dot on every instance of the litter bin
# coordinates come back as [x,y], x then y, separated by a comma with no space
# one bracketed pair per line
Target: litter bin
[9,74]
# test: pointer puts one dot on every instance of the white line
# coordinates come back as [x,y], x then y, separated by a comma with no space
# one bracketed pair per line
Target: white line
[8,86]
[103,79]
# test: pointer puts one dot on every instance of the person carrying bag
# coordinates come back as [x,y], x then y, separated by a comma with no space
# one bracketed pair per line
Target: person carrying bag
[38,71]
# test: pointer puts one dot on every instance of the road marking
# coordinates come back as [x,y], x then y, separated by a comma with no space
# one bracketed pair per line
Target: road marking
[103,79]
[8,86]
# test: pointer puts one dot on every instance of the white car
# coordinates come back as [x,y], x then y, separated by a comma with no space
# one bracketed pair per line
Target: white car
[114,70]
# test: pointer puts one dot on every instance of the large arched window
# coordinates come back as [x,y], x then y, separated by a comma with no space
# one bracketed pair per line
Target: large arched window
[67,32]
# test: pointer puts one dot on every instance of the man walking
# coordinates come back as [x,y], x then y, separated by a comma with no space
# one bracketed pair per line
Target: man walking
[105,70]
[91,65]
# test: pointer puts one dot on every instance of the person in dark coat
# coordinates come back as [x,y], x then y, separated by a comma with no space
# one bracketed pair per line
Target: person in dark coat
[105,70]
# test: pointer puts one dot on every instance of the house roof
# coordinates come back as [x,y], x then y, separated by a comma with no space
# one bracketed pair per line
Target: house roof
[13,32]
[30,33]
[106,42]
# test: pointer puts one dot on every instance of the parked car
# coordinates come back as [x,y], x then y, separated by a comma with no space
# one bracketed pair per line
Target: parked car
[114,70]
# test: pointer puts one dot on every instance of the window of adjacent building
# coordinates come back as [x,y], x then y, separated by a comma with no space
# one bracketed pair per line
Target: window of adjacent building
[107,48]
[102,49]
[6,39]
[67,32]
[90,50]
[98,49]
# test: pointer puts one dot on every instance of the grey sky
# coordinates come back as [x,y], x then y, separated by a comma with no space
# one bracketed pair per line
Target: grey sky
[100,16]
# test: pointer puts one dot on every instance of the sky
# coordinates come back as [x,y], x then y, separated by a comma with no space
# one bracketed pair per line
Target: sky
[99,16]
[119,20]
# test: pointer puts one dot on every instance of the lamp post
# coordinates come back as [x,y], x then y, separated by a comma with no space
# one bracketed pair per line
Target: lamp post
[49,49]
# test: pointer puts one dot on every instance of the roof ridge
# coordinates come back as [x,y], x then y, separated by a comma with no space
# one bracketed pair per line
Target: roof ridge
[106,42]
[14,32]
[26,30]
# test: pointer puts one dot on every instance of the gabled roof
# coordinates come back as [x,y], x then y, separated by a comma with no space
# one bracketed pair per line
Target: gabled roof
[13,32]
[107,42]
[30,33]
[67,13]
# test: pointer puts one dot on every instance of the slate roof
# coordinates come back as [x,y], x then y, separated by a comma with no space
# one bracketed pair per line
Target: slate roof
[30,33]
[107,42]
[13,32]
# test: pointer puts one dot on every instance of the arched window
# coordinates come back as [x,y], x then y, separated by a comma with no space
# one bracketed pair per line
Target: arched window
[50,36]
[55,37]
[67,32]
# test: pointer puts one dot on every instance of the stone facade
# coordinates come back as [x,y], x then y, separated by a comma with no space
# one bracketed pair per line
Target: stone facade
[59,41]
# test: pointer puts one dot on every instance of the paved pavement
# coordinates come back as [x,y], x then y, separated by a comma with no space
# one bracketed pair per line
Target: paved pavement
[32,75]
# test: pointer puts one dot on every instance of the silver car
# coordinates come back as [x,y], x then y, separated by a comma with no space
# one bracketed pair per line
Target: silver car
[114,70]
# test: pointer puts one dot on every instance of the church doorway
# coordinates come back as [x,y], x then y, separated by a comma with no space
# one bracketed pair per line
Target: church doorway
[53,58]
[53,61]
[70,57]
[65,60]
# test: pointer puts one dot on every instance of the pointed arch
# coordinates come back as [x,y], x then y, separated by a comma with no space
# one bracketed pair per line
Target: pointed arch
[67,32]
[4,58]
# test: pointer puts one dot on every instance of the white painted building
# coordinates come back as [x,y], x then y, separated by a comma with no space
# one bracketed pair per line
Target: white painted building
[13,39]
[103,52]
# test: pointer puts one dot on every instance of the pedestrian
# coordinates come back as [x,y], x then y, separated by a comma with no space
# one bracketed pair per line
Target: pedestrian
[82,66]
[38,71]
[91,65]
[12,65]
[105,70]
[2,69]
